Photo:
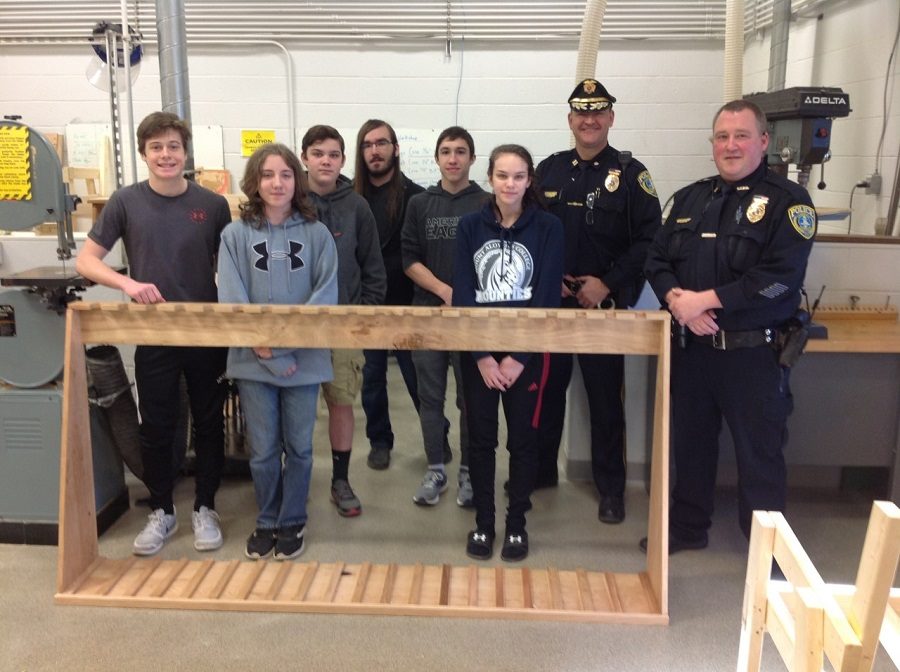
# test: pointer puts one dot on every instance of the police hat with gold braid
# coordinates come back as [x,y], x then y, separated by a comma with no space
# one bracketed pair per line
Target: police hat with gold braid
[590,96]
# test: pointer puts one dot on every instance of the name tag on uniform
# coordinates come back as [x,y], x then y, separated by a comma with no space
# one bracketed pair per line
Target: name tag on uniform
[708,235]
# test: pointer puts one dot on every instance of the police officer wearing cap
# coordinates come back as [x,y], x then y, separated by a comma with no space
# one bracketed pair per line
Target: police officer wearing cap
[729,264]
[610,212]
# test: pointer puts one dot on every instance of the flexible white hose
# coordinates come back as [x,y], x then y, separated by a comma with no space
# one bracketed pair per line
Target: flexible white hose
[733,75]
[588,44]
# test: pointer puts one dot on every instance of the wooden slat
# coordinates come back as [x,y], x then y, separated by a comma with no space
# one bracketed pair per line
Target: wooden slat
[444,597]
[361,580]
[756,583]
[334,581]
[473,586]
[389,579]
[147,567]
[415,588]
[197,578]
[585,599]
[499,597]
[527,597]
[279,580]
[230,568]
[613,590]
[121,569]
[308,577]
[556,598]
[251,580]
[167,582]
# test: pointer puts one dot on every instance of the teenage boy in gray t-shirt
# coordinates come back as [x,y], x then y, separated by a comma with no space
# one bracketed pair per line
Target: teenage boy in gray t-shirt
[170,228]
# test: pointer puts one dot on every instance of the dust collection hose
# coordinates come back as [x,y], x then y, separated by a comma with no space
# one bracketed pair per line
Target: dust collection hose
[110,390]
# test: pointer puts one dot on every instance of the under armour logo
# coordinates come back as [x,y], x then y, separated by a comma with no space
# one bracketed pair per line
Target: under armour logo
[515,539]
[479,536]
[262,249]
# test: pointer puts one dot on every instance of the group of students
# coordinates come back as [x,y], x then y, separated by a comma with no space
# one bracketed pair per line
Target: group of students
[728,263]
[307,237]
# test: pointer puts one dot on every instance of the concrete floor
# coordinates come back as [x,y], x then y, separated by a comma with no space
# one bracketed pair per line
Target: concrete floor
[705,587]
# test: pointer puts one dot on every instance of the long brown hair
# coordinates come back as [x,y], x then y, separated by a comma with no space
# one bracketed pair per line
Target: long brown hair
[531,196]
[361,183]
[254,210]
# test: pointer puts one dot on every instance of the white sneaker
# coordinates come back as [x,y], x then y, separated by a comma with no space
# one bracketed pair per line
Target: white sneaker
[160,526]
[207,531]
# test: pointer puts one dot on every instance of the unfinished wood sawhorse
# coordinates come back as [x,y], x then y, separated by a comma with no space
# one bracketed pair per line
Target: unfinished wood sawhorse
[84,577]
[809,619]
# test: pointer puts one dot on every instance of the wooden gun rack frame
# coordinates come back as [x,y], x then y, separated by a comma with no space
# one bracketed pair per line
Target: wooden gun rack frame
[84,577]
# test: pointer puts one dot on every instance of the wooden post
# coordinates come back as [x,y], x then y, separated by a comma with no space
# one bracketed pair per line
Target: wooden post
[77,509]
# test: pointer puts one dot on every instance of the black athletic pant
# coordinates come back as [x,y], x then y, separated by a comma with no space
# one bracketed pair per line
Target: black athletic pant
[521,406]
[157,372]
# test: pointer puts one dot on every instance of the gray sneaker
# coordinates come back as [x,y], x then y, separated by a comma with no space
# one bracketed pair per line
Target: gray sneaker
[429,493]
[160,526]
[207,529]
[465,497]
[345,499]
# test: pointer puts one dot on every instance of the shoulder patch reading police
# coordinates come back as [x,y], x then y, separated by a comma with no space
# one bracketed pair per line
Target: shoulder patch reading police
[646,183]
[803,219]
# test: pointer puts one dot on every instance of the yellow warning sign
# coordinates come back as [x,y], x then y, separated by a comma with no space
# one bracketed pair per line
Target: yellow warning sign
[15,164]
[253,140]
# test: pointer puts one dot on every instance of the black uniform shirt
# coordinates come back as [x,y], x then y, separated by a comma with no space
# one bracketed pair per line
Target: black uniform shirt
[748,241]
[610,213]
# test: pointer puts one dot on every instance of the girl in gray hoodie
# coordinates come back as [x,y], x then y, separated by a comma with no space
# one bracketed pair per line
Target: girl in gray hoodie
[278,253]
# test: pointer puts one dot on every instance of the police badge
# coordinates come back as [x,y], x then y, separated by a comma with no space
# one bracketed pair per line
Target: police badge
[612,180]
[803,219]
[757,208]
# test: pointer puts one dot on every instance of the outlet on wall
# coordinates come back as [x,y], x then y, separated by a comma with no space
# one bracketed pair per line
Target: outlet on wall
[874,182]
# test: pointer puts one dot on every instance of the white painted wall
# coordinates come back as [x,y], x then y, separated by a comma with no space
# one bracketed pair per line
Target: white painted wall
[509,93]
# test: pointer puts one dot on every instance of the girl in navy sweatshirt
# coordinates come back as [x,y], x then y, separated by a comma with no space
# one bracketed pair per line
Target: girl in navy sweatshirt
[507,255]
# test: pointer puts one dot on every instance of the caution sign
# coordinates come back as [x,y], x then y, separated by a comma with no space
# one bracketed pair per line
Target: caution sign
[253,140]
[15,164]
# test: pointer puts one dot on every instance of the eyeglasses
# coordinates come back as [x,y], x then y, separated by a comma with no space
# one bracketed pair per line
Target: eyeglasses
[379,144]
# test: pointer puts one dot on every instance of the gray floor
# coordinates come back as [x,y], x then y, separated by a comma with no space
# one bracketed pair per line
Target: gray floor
[705,587]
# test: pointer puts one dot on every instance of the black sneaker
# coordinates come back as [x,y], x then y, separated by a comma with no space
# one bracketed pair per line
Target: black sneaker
[515,547]
[290,542]
[260,543]
[480,544]
[379,458]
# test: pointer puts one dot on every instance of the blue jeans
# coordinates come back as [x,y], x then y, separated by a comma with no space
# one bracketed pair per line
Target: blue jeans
[375,394]
[279,419]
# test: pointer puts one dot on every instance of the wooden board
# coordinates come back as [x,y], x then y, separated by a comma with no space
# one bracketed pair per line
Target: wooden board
[399,590]
[86,578]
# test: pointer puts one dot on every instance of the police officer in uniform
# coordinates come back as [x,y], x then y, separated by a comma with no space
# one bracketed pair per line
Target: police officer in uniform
[729,264]
[610,212]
